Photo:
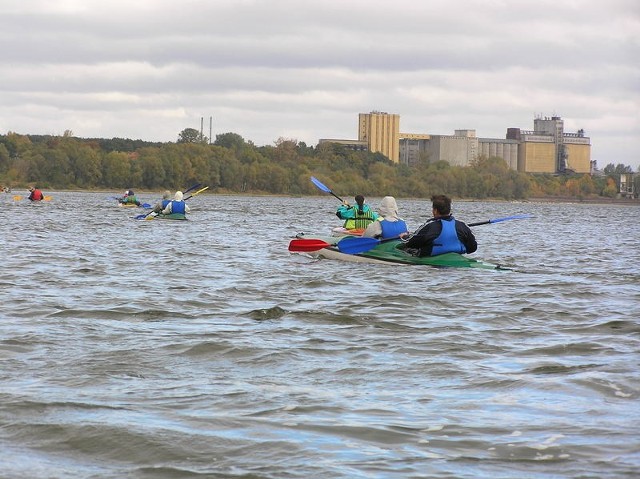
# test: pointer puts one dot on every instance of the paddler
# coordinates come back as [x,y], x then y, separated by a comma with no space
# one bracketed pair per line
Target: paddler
[388,225]
[177,205]
[129,198]
[358,216]
[35,194]
[441,234]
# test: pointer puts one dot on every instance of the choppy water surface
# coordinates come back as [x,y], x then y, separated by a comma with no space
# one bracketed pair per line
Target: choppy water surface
[160,349]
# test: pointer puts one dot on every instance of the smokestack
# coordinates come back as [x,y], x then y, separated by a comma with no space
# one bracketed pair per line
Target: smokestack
[210,128]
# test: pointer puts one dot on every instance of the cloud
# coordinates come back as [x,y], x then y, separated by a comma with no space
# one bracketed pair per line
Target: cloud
[304,70]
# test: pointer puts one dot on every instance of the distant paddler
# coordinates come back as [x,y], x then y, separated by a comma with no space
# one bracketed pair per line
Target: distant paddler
[35,194]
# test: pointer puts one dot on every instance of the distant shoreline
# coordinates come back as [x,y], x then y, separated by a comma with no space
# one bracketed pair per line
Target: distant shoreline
[571,199]
[531,199]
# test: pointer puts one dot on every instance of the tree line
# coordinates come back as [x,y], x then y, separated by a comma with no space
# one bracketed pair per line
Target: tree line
[231,164]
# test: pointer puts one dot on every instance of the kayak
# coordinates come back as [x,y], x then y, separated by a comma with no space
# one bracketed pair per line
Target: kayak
[388,252]
[172,216]
[128,205]
[340,231]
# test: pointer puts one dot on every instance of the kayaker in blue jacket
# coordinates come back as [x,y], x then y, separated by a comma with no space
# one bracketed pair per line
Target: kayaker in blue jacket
[162,204]
[358,216]
[388,225]
[441,234]
[177,205]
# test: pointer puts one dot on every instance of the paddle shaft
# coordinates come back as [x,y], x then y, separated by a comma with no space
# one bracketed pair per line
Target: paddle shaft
[196,193]
[498,220]
[480,223]
[336,196]
[324,188]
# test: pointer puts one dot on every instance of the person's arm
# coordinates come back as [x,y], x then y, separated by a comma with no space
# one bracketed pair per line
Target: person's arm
[374,230]
[167,210]
[423,238]
[345,212]
[466,236]
[186,208]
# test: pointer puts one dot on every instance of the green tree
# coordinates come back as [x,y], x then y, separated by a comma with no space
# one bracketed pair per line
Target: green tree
[191,135]
[232,141]
[116,170]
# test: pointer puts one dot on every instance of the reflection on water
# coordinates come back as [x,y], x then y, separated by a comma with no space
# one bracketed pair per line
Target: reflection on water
[204,349]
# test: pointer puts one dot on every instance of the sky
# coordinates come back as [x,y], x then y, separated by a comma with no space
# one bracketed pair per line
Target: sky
[304,69]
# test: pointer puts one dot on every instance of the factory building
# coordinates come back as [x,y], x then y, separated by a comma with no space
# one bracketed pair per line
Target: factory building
[545,149]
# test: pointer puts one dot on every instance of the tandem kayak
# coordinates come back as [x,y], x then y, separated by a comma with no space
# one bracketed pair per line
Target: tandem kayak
[388,252]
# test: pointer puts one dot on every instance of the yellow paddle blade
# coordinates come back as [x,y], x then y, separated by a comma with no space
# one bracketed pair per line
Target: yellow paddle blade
[17,198]
[200,191]
[48,198]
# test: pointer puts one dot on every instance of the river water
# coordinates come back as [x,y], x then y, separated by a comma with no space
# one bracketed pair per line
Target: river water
[204,349]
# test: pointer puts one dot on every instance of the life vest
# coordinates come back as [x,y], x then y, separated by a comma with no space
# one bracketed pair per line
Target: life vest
[178,207]
[165,203]
[36,195]
[447,241]
[129,199]
[362,219]
[392,229]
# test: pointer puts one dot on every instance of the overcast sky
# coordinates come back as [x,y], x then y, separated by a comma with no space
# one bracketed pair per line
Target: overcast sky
[298,69]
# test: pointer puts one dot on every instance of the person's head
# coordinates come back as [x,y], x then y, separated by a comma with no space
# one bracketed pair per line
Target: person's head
[126,193]
[388,207]
[441,205]
[360,201]
[130,192]
[178,196]
[31,188]
[166,195]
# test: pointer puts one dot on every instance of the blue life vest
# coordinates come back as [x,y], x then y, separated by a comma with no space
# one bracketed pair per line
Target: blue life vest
[392,229]
[165,203]
[447,241]
[177,207]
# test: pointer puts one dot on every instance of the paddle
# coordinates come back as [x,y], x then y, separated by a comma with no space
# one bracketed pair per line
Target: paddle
[196,193]
[355,245]
[197,185]
[498,220]
[44,198]
[319,184]
[307,244]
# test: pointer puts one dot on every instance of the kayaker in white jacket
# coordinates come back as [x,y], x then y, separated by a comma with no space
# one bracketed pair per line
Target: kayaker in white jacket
[388,225]
[177,205]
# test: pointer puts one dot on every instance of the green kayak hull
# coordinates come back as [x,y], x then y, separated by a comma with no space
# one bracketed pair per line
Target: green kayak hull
[388,252]
[172,216]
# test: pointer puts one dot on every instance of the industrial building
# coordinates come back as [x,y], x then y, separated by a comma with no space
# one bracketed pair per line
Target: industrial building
[545,149]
